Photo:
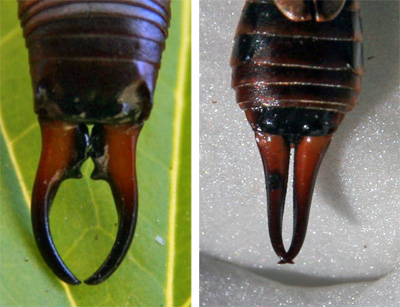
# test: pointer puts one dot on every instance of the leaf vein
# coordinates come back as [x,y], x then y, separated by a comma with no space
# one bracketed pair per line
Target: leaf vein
[5,290]
[75,244]
[151,157]
[184,57]
[188,302]
[91,192]
[24,133]
[145,270]
[10,35]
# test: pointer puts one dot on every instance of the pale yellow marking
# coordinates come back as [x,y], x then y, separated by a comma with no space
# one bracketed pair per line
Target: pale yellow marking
[184,57]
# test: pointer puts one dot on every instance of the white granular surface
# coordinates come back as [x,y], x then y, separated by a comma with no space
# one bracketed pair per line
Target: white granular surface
[351,254]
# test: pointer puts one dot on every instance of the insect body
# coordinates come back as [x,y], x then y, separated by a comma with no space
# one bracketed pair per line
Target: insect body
[297,68]
[92,63]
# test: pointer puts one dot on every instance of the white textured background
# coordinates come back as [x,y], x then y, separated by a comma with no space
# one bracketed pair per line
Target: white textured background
[351,254]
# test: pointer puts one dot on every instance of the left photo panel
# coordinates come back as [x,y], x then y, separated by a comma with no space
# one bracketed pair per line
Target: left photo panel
[95,118]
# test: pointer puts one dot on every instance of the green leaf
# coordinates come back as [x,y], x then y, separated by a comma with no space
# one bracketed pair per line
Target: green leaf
[156,271]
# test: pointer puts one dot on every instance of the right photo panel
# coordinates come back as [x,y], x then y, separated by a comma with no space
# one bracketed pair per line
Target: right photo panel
[299,110]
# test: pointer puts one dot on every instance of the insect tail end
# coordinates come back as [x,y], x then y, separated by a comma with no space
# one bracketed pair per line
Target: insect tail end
[116,164]
[275,154]
[63,151]
[285,261]
[309,153]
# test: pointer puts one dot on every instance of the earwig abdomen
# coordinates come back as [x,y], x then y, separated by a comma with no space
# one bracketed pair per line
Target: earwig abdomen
[94,61]
[297,68]
[91,62]
[279,64]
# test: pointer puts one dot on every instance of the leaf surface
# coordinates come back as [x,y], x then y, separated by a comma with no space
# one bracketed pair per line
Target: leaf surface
[156,271]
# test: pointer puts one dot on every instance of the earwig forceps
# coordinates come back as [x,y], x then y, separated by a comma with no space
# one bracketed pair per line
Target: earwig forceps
[92,63]
[297,68]
[63,151]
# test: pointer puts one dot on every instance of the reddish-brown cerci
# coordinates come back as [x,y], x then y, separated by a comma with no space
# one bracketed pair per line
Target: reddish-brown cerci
[297,68]
[92,63]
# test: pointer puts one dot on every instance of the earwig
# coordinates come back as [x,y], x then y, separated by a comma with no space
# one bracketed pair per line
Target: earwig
[297,68]
[92,63]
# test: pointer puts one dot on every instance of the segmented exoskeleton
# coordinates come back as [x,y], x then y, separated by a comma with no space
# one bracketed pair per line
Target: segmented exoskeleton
[297,68]
[91,62]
